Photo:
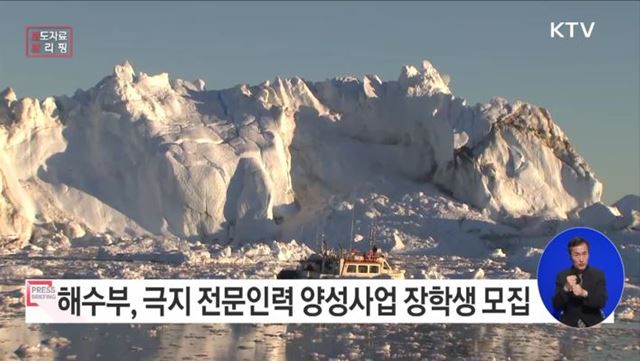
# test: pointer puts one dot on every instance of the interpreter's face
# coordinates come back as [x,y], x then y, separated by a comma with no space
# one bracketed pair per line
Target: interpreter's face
[580,256]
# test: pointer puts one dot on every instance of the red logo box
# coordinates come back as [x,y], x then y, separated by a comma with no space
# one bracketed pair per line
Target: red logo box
[33,48]
[30,283]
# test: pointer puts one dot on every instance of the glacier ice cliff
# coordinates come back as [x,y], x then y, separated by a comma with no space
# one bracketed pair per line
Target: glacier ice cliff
[144,154]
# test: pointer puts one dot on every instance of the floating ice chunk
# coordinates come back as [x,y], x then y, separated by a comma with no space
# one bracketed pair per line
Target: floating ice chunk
[83,274]
[19,271]
[626,314]
[498,253]
[226,252]
[432,273]
[57,342]
[38,351]
[398,245]
[171,257]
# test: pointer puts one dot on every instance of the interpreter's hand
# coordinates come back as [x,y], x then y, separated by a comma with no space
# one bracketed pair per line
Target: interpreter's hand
[579,291]
[571,282]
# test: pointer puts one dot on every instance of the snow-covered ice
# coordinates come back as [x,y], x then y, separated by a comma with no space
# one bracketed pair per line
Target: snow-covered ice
[158,156]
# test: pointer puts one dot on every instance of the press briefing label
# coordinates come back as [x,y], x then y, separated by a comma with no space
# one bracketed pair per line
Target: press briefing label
[284,301]
[49,41]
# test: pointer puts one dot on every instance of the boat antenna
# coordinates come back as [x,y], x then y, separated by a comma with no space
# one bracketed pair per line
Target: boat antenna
[372,234]
[353,212]
[317,237]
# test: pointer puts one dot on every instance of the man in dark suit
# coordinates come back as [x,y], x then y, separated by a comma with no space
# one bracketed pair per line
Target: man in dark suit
[581,292]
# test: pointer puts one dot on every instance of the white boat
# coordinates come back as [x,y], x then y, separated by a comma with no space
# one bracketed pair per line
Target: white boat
[331,264]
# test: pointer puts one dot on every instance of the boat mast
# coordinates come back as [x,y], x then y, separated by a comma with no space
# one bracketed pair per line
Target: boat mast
[353,211]
[372,234]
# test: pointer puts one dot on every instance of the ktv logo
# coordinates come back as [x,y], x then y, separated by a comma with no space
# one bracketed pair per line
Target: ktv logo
[559,30]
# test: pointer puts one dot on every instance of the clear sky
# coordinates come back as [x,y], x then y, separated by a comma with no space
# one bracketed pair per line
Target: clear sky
[590,86]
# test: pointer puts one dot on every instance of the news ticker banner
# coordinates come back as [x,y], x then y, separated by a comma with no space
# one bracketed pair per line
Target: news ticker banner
[285,301]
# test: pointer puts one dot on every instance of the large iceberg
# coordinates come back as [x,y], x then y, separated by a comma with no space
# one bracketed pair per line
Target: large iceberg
[139,154]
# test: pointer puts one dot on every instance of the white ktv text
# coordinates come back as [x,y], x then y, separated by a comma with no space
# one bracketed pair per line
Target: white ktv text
[559,29]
